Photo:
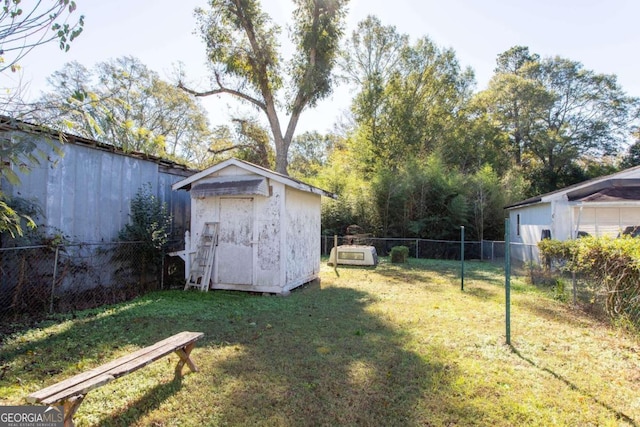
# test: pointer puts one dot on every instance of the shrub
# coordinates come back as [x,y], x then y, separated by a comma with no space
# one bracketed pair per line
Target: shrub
[150,224]
[614,264]
[399,254]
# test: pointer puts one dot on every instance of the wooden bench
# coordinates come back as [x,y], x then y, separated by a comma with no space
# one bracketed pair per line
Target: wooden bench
[72,391]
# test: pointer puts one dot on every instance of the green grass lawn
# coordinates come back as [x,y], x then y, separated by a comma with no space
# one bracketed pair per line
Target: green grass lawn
[390,346]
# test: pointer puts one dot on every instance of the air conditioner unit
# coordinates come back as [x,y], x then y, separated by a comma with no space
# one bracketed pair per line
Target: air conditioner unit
[353,255]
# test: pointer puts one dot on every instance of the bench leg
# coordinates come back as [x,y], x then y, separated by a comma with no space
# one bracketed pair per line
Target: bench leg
[183,353]
[70,407]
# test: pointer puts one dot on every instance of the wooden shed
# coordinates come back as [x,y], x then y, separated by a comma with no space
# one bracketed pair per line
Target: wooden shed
[252,229]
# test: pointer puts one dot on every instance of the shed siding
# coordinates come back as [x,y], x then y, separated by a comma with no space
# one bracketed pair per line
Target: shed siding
[303,237]
[285,228]
[269,235]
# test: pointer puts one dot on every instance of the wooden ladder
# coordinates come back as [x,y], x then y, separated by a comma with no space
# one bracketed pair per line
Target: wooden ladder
[202,264]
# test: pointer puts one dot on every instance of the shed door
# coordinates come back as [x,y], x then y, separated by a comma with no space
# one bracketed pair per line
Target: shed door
[235,252]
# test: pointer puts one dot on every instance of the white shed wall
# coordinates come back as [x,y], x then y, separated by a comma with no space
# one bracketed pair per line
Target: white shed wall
[285,231]
[303,237]
[267,271]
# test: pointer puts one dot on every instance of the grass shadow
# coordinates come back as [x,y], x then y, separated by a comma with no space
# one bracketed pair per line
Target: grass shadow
[352,369]
[557,312]
[152,400]
[618,414]
[482,293]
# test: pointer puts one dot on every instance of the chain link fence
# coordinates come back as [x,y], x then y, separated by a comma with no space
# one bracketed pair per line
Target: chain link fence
[36,281]
[39,280]
[621,306]
[485,250]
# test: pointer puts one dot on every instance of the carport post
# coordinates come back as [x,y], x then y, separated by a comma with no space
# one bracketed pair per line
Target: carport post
[507,278]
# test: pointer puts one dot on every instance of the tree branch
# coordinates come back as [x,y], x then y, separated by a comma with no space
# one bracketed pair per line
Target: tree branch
[222,89]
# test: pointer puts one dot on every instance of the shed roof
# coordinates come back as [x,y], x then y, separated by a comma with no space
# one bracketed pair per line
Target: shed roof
[10,124]
[188,183]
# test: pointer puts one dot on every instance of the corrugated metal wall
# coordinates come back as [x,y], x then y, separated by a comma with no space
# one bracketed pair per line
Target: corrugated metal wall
[86,192]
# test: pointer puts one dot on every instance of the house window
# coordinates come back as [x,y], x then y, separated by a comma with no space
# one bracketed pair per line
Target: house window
[517,224]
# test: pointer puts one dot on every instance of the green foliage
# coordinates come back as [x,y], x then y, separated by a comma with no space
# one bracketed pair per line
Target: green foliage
[614,264]
[308,153]
[559,292]
[14,218]
[122,102]
[24,27]
[556,112]
[243,49]
[408,94]
[399,254]
[487,200]
[150,225]
[632,156]
[253,143]
[150,221]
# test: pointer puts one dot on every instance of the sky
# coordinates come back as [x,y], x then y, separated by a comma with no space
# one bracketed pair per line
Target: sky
[603,36]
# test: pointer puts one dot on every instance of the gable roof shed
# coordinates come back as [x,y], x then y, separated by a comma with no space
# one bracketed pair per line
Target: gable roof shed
[268,237]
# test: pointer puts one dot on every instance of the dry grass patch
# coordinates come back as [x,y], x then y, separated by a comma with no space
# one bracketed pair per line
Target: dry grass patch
[393,346]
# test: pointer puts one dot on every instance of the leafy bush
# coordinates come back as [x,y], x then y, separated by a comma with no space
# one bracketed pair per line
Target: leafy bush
[614,264]
[150,225]
[399,254]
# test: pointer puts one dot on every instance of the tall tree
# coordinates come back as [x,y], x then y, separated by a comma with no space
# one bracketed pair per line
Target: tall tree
[309,152]
[408,95]
[370,58]
[632,156]
[242,46]
[124,103]
[556,112]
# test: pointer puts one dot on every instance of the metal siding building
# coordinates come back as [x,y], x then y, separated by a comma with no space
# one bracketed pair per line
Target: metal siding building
[84,188]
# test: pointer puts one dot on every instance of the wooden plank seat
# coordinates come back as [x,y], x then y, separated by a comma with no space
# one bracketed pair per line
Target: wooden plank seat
[71,392]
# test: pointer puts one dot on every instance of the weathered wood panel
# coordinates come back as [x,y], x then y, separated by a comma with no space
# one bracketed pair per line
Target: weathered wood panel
[235,248]
[302,237]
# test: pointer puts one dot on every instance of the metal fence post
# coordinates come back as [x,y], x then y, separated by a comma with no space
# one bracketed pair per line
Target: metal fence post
[53,281]
[462,257]
[507,279]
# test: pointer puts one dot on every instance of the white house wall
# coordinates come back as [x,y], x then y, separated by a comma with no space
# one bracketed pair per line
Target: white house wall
[533,219]
[561,225]
[303,237]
